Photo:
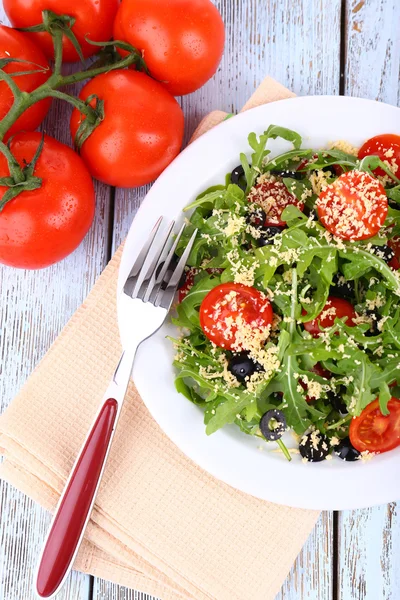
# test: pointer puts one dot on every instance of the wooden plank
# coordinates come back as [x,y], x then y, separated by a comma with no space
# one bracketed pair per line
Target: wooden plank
[369,553]
[35,306]
[372,50]
[369,540]
[298,44]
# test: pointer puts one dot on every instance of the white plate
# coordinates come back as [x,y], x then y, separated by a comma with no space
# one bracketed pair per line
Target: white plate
[230,455]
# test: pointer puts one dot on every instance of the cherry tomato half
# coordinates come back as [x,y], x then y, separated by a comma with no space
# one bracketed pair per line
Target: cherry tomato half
[273,197]
[374,431]
[93,19]
[15,44]
[387,147]
[353,207]
[42,226]
[231,313]
[182,40]
[334,308]
[141,133]
[394,244]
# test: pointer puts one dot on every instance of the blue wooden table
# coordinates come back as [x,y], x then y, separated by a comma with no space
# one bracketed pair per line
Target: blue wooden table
[313,47]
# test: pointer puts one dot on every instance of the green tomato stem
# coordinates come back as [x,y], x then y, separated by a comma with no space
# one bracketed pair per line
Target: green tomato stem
[11,83]
[58,52]
[14,167]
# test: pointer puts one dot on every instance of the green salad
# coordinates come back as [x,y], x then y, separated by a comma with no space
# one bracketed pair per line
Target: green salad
[290,312]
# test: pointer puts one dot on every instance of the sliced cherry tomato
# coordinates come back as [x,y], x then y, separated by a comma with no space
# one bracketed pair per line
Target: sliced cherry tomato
[273,197]
[353,207]
[42,226]
[15,44]
[374,431]
[387,147]
[334,308]
[93,19]
[182,40]
[232,315]
[394,244]
[141,132]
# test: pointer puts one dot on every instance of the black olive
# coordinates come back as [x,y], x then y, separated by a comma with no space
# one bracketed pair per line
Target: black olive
[287,173]
[373,329]
[256,217]
[330,170]
[241,366]
[384,252]
[273,424]
[246,246]
[267,236]
[258,367]
[337,402]
[346,451]
[314,446]
[236,177]
[341,288]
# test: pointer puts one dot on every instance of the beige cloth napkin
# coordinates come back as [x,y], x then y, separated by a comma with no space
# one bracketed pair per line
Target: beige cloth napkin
[161,524]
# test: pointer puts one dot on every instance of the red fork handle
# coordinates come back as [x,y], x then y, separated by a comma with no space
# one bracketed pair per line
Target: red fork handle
[75,505]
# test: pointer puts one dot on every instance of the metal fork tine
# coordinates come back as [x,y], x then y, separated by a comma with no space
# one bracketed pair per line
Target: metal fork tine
[165,299]
[133,276]
[160,277]
[148,281]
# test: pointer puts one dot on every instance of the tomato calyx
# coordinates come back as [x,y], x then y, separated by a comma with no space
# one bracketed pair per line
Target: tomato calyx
[21,178]
[90,121]
[57,26]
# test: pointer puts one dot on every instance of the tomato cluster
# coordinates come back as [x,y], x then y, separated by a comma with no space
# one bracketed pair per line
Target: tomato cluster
[139,130]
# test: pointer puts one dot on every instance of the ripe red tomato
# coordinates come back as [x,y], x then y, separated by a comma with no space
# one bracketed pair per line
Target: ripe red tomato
[232,312]
[182,40]
[374,431]
[353,207]
[387,147]
[141,133]
[43,226]
[14,44]
[273,197]
[394,244]
[334,307]
[94,19]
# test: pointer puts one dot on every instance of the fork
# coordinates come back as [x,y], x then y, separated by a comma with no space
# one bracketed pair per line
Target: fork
[148,293]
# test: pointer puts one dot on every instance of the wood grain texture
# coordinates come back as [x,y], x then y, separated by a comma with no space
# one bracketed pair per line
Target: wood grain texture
[35,305]
[369,540]
[372,50]
[298,43]
[369,553]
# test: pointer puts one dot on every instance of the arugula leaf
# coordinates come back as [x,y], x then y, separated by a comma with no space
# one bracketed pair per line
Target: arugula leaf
[370,163]
[260,152]
[394,194]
